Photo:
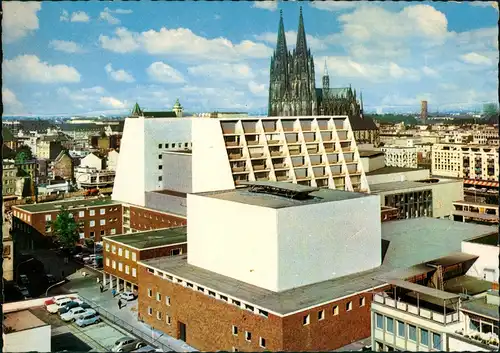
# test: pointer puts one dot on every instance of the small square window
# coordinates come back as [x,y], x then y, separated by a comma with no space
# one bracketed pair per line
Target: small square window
[92,223]
[102,232]
[102,211]
[113,231]
[160,145]
[305,320]
[158,297]
[166,145]
[336,310]
[160,167]
[167,301]
[82,235]
[158,315]
[92,212]
[248,336]
[160,178]
[321,315]
[235,349]
[362,301]
[92,234]
[169,321]
[348,306]
[235,330]
[150,292]
[102,222]
[48,218]
[160,156]
[150,310]
[262,342]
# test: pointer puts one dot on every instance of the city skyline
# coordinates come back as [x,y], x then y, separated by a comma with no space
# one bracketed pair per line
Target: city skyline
[76,58]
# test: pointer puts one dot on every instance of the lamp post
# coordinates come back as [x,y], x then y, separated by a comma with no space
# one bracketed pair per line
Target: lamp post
[17,268]
[56,284]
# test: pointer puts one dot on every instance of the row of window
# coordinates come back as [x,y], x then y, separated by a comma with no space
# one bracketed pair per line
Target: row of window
[158,297]
[306,319]
[120,267]
[168,319]
[175,145]
[210,293]
[81,214]
[408,331]
[8,190]
[121,252]
[22,216]
[248,337]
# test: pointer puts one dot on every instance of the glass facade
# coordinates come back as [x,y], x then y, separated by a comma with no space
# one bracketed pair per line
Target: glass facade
[401,328]
[436,341]
[390,325]
[412,333]
[380,321]
[411,204]
[424,337]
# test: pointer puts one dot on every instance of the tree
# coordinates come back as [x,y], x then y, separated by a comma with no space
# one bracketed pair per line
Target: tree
[65,228]
[23,154]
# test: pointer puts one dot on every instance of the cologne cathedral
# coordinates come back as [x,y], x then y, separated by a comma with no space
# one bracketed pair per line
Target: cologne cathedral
[293,92]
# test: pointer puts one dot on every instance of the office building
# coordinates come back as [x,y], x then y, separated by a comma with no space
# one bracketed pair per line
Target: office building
[399,156]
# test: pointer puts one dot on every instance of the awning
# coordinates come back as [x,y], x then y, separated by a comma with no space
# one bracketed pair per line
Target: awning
[481,182]
[417,288]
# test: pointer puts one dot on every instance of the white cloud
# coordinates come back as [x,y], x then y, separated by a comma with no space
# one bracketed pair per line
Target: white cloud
[259,89]
[122,11]
[161,72]
[66,46]
[10,102]
[106,16]
[430,71]
[334,5]
[19,19]
[271,5]
[118,75]
[64,16]
[183,42]
[111,102]
[493,4]
[29,68]
[476,59]
[223,71]
[80,16]
[313,42]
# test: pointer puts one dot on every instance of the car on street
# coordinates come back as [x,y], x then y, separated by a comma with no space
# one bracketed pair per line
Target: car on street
[147,349]
[50,279]
[127,344]
[128,296]
[24,280]
[88,319]
[75,313]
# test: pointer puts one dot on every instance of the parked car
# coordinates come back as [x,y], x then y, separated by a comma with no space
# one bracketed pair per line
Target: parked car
[128,296]
[492,191]
[147,349]
[76,313]
[24,291]
[50,278]
[88,319]
[482,189]
[127,344]
[24,280]
[60,303]
[68,307]
[49,302]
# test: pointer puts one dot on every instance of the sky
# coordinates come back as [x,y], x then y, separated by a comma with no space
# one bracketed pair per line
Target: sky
[102,57]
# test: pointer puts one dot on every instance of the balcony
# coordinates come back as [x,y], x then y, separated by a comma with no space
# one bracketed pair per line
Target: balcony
[232,143]
[253,142]
[235,156]
[276,153]
[259,167]
[273,142]
[257,156]
[238,169]
[294,152]
[282,177]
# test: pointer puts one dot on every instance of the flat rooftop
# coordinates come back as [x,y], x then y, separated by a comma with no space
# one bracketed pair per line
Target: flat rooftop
[392,170]
[22,320]
[245,196]
[481,307]
[151,239]
[467,284]
[435,239]
[406,184]
[490,239]
[471,203]
[55,206]
[370,153]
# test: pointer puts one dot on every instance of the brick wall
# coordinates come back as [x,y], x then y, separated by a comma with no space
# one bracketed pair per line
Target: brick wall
[142,219]
[162,251]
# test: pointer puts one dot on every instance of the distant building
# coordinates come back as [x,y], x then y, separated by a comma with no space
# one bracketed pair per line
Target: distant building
[423,111]
[476,212]
[112,160]
[63,166]
[48,147]
[398,156]
[9,177]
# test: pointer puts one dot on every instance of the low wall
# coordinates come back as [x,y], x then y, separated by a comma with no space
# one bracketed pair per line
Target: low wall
[26,304]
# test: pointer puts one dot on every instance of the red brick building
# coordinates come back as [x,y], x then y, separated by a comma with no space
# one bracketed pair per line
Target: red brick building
[139,219]
[122,252]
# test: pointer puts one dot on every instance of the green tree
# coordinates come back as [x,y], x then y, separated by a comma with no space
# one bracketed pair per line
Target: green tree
[23,154]
[65,228]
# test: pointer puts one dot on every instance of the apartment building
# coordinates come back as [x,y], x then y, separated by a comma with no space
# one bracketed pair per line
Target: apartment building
[399,156]
[483,136]
[139,219]
[122,252]
[240,302]
[468,211]
[92,178]
[95,218]
[465,161]
[9,177]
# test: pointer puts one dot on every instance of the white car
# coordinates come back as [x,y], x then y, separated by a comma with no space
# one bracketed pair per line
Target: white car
[128,296]
[59,303]
[76,313]
[89,258]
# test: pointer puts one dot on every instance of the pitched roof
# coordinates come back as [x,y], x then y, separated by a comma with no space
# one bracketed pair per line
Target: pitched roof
[61,155]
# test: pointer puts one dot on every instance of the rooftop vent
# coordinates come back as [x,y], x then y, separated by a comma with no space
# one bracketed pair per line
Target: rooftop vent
[292,191]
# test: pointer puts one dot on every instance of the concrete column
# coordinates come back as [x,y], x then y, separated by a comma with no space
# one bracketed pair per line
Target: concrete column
[110,282]
[118,284]
[104,278]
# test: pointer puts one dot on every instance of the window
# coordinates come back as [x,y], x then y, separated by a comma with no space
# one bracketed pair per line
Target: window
[380,321]
[107,261]
[248,336]
[114,264]
[305,320]
[390,324]
[424,337]
[102,211]
[113,231]
[150,310]
[150,292]
[120,266]
[48,218]
[120,252]
[160,156]
[169,321]
[160,178]
[336,310]
[158,297]
[248,307]
[127,269]
[348,306]
[174,252]
[362,301]
[92,234]
[166,145]
[92,212]
[262,342]
[92,223]
[160,167]
[113,249]
[235,349]
[158,315]
[167,301]
[401,328]
[133,256]
[321,315]
[235,302]
[160,145]
[436,341]
[102,222]
[235,330]
[127,254]
[201,289]
[82,235]
[81,214]
[134,272]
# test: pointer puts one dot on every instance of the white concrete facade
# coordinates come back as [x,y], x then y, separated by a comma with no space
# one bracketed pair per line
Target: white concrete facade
[91,161]
[284,248]
[486,266]
[399,156]
[112,161]
[413,175]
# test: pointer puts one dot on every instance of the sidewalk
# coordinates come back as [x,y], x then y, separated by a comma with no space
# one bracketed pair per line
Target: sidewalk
[88,288]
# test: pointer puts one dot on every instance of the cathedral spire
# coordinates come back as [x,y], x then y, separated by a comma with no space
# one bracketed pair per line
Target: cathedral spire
[326,78]
[281,49]
[301,46]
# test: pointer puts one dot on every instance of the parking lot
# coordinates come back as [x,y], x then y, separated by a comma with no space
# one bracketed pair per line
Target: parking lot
[68,336]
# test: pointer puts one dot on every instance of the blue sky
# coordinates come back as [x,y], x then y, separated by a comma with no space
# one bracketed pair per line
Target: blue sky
[102,57]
